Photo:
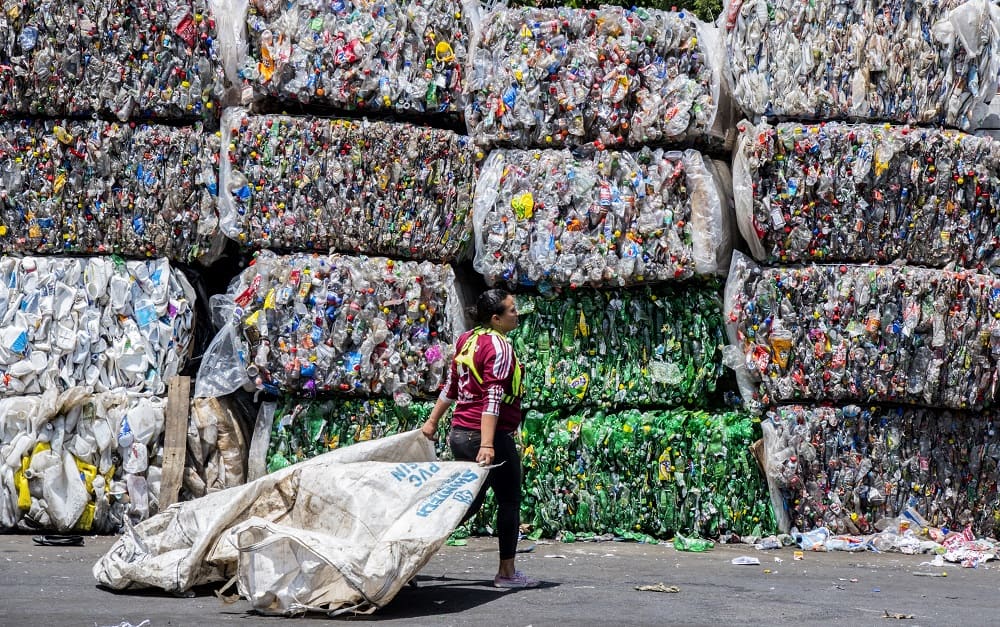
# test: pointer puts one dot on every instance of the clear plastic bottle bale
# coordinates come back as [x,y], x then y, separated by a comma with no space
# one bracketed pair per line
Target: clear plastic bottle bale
[861,192]
[655,346]
[893,334]
[306,183]
[132,60]
[307,325]
[549,219]
[611,77]
[853,466]
[911,63]
[69,459]
[303,429]
[100,322]
[384,56]
[91,186]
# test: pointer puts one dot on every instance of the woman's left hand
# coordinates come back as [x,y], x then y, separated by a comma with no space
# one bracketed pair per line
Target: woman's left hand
[485,456]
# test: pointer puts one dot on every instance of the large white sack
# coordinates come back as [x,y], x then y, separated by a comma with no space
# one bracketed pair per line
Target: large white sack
[367,516]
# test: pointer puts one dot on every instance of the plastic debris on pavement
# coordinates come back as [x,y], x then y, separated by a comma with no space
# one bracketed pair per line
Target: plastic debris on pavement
[96,321]
[549,219]
[90,186]
[896,334]
[658,345]
[402,57]
[306,324]
[862,192]
[372,187]
[611,77]
[913,64]
[77,461]
[133,60]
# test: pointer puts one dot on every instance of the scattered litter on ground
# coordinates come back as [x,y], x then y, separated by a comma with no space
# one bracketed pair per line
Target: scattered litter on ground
[897,615]
[658,587]
[745,560]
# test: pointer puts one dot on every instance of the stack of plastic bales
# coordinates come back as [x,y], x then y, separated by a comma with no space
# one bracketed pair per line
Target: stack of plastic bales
[353,223]
[104,151]
[595,208]
[846,195]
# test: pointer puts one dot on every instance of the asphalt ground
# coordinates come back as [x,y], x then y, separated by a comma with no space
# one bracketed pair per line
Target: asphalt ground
[583,584]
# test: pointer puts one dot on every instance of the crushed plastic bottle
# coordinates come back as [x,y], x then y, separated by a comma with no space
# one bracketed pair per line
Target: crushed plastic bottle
[89,186]
[376,187]
[929,197]
[693,545]
[610,77]
[934,63]
[317,324]
[550,219]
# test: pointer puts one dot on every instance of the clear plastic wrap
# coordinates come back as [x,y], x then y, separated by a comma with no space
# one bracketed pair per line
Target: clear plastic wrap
[847,468]
[657,346]
[554,220]
[861,192]
[896,334]
[404,57]
[91,186]
[77,461]
[98,321]
[351,185]
[612,77]
[915,62]
[133,60]
[315,324]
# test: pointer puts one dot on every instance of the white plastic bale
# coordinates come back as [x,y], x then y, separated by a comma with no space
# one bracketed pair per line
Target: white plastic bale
[554,220]
[358,186]
[612,77]
[911,62]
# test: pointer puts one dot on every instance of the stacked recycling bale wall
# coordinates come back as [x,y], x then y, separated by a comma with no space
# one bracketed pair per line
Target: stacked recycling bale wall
[835,175]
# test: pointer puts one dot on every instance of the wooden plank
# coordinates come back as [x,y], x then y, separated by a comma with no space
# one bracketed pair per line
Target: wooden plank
[175,439]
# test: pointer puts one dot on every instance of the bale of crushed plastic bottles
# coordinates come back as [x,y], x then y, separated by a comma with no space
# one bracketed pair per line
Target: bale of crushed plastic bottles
[92,186]
[609,77]
[911,63]
[370,187]
[893,334]
[863,192]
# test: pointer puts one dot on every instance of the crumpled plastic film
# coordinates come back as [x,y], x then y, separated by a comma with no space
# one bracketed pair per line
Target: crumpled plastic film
[120,57]
[548,218]
[372,187]
[304,429]
[311,324]
[650,346]
[897,334]
[658,472]
[848,467]
[91,186]
[404,57]
[908,62]
[77,461]
[860,192]
[100,322]
[612,77]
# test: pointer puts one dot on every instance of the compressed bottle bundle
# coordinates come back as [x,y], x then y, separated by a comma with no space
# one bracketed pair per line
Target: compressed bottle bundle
[100,322]
[91,186]
[550,219]
[658,472]
[303,429]
[352,185]
[79,461]
[653,346]
[216,453]
[861,192]
[125,58]
[897,334]
[912,62]
[847,467]
[611,76]
[311,324]
[404,57]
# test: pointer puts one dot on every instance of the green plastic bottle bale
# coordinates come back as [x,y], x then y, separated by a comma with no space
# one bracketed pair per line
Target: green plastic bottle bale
[655,346]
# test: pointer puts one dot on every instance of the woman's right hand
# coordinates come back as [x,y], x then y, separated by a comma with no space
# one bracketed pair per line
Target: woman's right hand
[485,456]
[429,430]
